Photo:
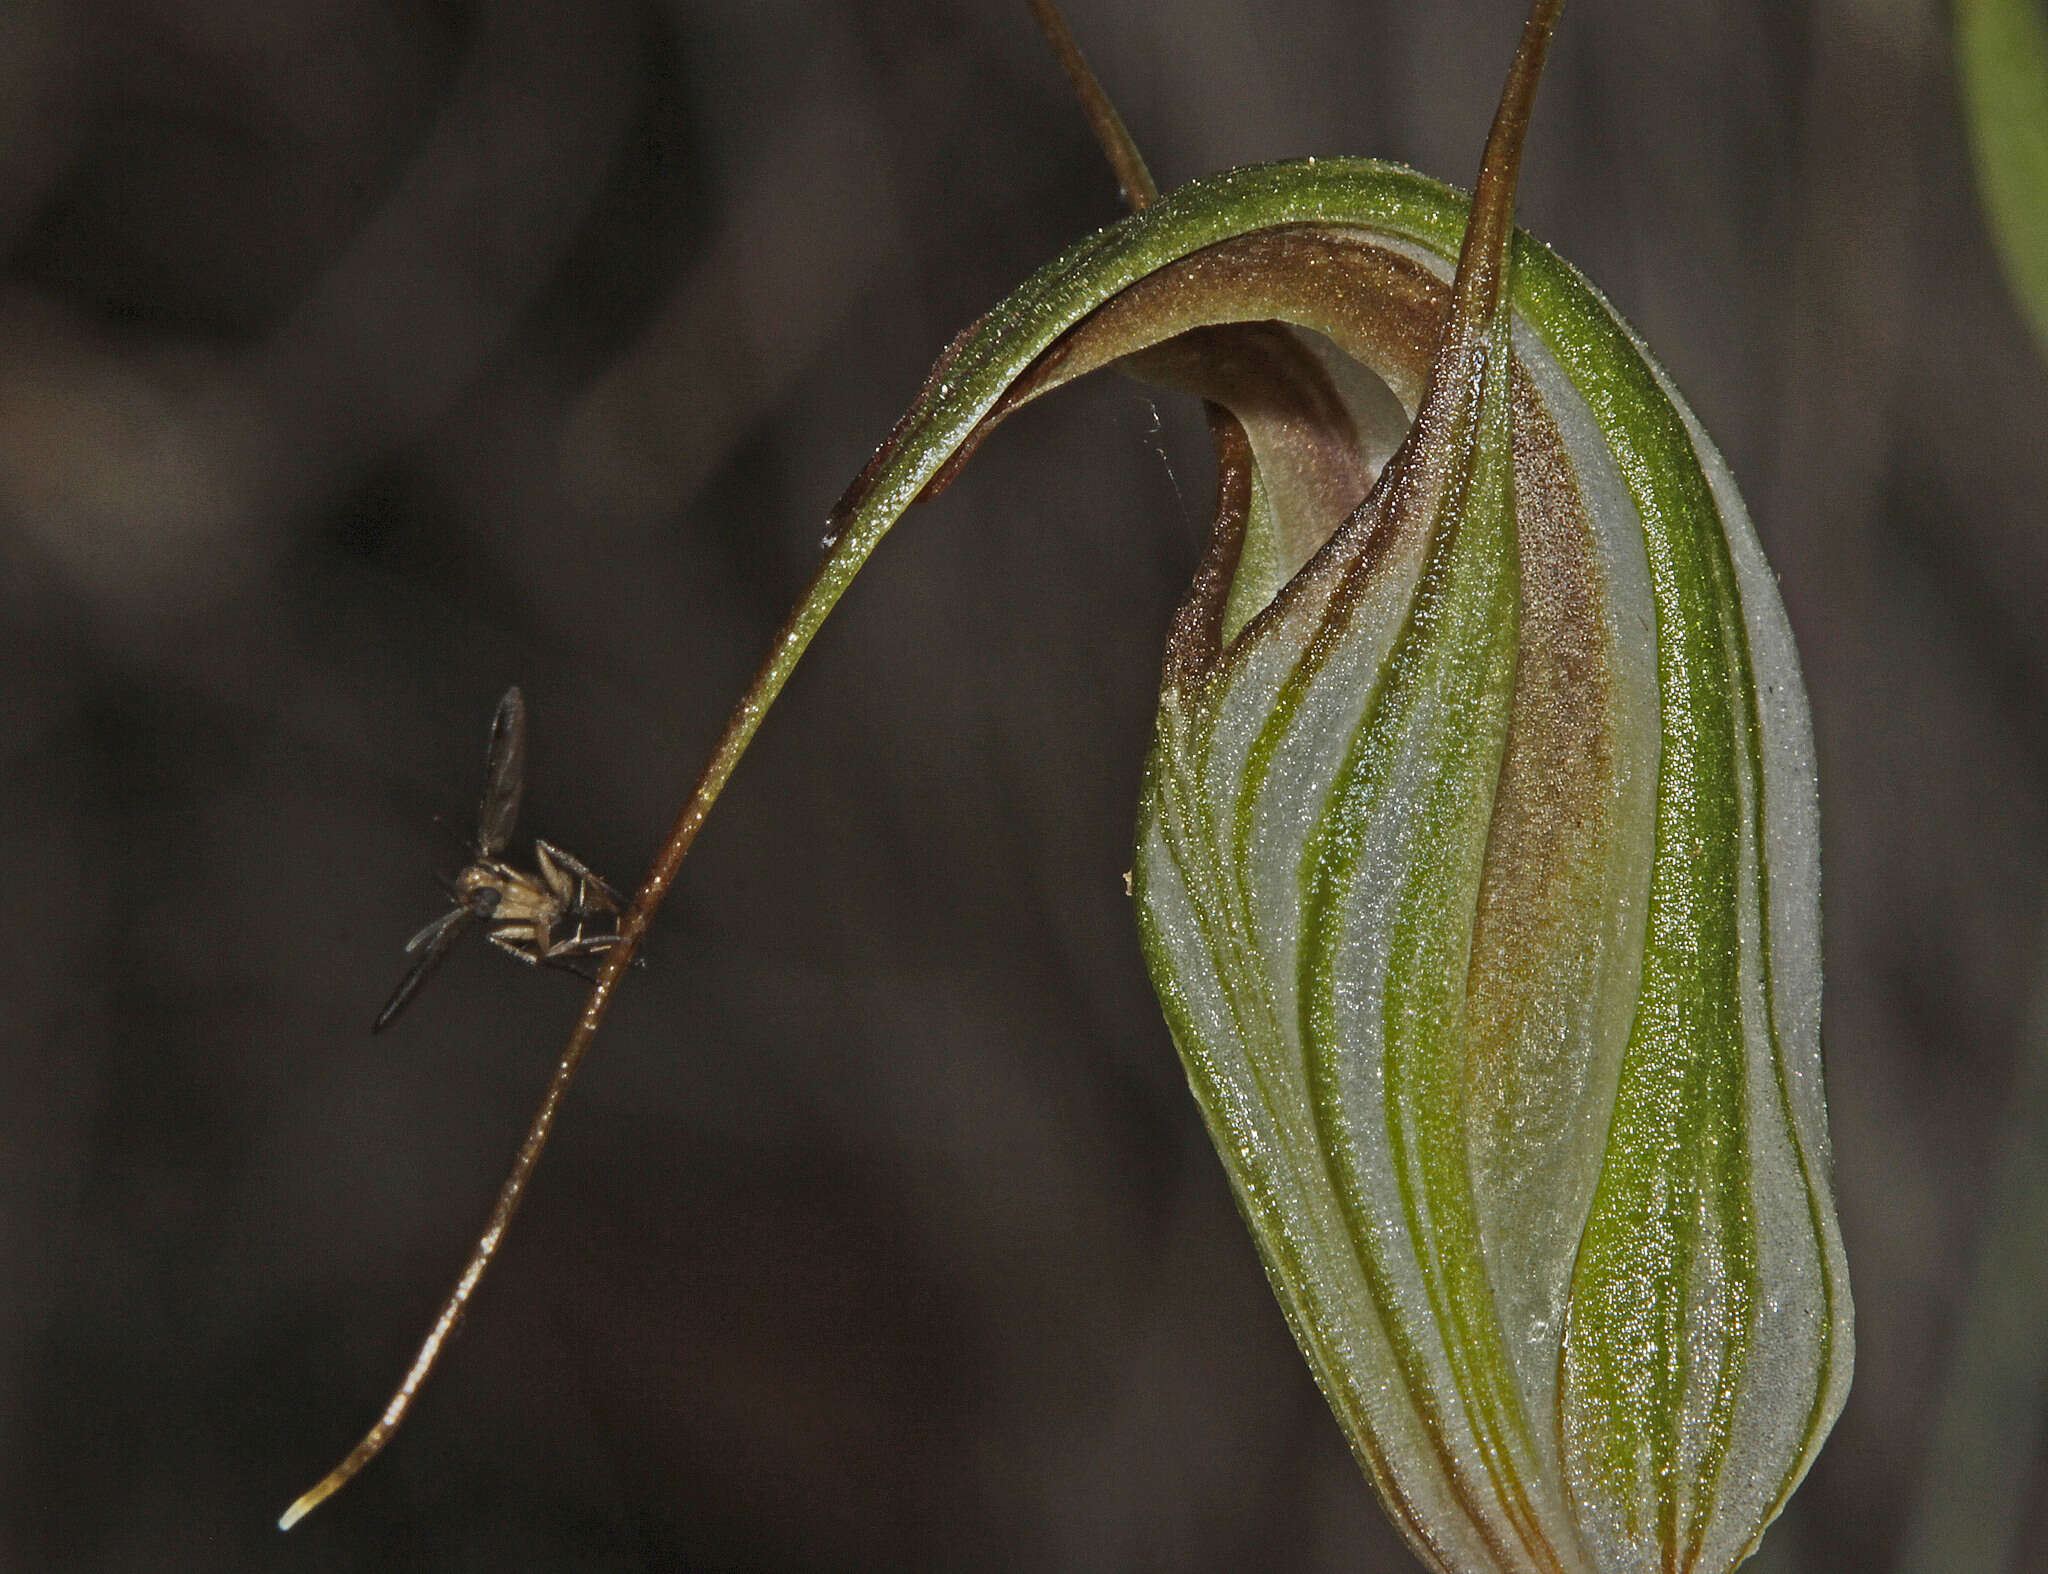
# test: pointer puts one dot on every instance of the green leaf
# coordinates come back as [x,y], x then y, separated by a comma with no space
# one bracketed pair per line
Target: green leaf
[2002,63]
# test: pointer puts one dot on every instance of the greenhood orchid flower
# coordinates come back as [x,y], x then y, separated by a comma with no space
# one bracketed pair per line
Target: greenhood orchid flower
[1477,874]
[1476,865]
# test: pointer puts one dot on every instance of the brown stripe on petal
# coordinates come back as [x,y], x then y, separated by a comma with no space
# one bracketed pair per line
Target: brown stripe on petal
[1553,804]
[1195,639]
[1382,308]
[1539,1050]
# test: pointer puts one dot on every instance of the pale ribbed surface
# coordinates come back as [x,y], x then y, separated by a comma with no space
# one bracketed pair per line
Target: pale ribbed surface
[1479,882]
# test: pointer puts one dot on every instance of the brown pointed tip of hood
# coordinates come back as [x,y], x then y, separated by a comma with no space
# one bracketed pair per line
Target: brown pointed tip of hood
[1481,284]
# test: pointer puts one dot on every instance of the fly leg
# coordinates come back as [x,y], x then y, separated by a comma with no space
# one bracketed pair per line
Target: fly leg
[584,896]
[520,940]
[585,891]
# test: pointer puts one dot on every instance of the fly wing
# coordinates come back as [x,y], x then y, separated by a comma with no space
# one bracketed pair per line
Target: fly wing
[504,775]
[426,949]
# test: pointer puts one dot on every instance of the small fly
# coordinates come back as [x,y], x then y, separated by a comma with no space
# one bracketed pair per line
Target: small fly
[524,911]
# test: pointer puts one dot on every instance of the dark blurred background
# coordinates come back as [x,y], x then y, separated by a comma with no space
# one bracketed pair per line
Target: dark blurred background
[361,357]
